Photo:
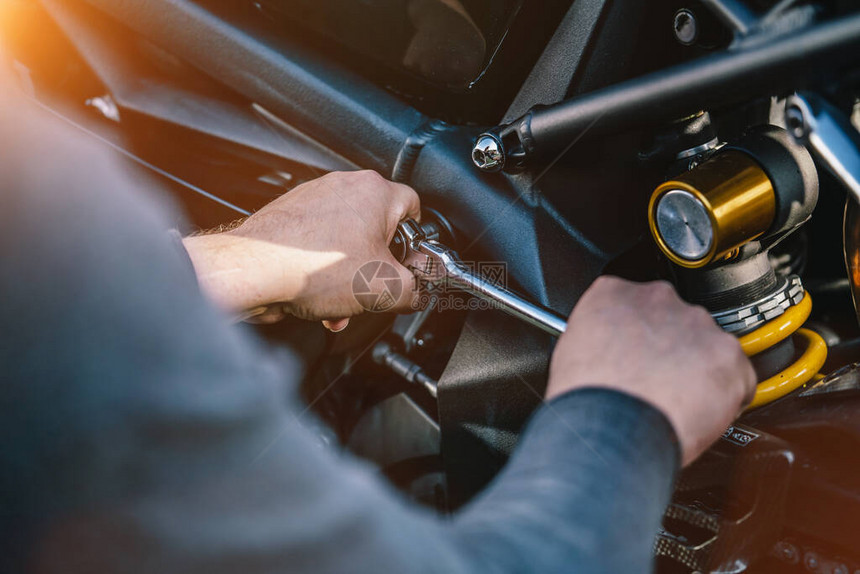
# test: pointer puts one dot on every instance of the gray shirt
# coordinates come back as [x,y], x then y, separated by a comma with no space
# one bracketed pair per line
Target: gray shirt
[141,432]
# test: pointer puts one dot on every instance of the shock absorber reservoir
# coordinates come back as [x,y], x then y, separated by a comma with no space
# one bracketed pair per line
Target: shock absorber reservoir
[708,212]
[716,223]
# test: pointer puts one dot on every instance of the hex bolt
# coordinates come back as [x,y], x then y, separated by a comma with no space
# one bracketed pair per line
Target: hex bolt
[384,354]
[795,122]
[487,154]
[788,552]
[686,27]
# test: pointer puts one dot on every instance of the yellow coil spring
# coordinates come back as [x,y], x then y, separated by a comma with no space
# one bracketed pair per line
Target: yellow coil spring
[803,369]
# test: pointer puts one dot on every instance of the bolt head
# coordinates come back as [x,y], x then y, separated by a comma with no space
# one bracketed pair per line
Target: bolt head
[788,552]
[811,561]
[488,154]
[686,27]
[795,122]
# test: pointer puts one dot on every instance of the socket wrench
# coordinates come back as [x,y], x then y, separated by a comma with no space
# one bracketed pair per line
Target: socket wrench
[418,248]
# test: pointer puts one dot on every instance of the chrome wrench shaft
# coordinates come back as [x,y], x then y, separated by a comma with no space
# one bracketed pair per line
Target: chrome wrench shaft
[436,263]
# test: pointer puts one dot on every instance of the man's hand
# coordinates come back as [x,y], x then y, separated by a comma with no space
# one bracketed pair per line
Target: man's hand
[642,339]
[300,252]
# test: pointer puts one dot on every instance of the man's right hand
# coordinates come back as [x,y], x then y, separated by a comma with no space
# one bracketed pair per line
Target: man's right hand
[301,252]
[643,340]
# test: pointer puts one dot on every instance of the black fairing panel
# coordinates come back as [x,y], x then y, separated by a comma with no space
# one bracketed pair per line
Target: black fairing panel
[180,96]
[823,502]
[493,382]
[345,113]
[445,44]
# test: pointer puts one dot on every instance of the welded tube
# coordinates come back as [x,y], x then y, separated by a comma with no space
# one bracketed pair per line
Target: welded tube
[726,78]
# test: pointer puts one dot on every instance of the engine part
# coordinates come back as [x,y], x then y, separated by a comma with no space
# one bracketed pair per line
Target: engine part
[434,263]
[729,505]
[384,354]
[815,516]
[821,428]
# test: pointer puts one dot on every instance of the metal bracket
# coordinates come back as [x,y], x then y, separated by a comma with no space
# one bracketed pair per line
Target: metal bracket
[829,136]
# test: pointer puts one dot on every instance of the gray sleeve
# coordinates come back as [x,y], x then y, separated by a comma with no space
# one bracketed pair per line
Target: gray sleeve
[141,432]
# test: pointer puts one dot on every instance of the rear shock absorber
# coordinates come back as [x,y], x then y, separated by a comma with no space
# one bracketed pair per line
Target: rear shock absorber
[801,371]
[716,223]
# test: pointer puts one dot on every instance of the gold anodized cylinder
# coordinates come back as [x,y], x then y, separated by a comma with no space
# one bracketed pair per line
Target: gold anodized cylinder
[737,196]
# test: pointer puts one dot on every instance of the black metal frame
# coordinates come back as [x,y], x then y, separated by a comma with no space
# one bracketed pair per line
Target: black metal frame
[758,69]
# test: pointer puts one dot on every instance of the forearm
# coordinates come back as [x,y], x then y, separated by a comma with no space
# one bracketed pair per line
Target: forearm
[584,491]
[232,273]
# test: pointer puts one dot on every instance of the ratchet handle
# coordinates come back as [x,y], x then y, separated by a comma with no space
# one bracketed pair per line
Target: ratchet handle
[433,262]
